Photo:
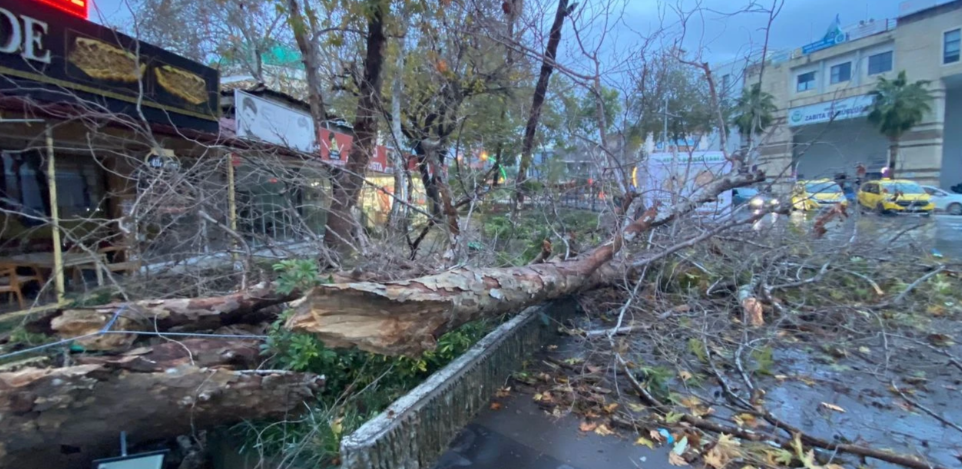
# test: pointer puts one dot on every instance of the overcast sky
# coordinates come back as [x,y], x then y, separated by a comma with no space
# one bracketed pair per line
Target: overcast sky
[721,36]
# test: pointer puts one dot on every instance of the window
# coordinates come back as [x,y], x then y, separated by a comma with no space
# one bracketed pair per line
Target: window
[880,63]
[726,83]
[806,81]
[841,72]
[80,186]
[950,46]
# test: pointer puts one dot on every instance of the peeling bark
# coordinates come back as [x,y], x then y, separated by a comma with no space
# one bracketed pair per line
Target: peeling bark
[182,314]
[208,353]
[66,417]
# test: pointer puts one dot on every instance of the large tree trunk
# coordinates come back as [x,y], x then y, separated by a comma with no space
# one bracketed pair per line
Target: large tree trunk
[65,417]
[540,90]
[405,317]
[341,224]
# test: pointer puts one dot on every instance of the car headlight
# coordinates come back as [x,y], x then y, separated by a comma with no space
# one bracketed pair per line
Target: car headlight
[757,202]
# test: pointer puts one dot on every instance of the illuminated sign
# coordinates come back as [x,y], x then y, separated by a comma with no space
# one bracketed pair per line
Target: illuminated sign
[74,7]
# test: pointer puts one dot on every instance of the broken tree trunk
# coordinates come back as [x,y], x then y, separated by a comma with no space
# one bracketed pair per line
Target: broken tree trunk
[181,314]
[65,417]
[405,317]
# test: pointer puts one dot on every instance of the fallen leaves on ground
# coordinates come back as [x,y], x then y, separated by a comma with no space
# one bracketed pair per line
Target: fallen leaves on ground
[611,407]
[642,441]
[833,407]
[636,407]
[588,426]
[673,417]
[656,436]
[753,308]
[676,460]
[503,392]
[684,375]
[725,450]
[941,340]
[495,406]
[543,397]
[681,446]
[746,420]
[603,430]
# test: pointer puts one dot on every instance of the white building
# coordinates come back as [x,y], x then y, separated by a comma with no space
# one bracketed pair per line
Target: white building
[821,91]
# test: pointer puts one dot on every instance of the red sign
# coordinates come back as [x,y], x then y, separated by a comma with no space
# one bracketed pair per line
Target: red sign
[335,148]
[77,8]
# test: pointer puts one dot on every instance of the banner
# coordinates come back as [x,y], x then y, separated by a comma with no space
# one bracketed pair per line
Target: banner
[336,146]
[273,122]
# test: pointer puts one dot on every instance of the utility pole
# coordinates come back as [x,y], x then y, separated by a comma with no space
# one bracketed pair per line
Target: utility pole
[665,134]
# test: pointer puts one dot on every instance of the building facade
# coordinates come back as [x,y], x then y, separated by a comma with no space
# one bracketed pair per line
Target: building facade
[822,94]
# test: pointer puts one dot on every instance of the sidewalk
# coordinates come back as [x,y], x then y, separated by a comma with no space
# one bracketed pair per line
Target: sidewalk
[520,435]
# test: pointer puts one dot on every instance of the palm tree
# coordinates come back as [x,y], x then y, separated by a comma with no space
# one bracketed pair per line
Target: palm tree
[754,111]
[897,106]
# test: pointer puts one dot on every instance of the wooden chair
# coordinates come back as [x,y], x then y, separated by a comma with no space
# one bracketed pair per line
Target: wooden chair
[10,284]
[125,265]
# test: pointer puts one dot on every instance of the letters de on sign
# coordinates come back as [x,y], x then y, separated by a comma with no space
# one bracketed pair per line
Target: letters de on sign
[24,35]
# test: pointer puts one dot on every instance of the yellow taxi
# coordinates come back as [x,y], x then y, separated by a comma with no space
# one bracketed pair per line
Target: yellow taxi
[895,196]
[816,194]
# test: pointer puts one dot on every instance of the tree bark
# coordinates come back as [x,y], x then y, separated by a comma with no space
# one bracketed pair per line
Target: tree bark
[66,417]
[540,90]
[405,317]
[181,314]
[309,58]
[893,156]
[348,182]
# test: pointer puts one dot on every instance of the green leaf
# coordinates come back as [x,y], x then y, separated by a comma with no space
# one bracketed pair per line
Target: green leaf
[697,347]
[673,417]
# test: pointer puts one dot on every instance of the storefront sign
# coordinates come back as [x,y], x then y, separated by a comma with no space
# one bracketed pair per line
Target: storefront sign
[273,122]
[77,8]
[50,55]
[847,108]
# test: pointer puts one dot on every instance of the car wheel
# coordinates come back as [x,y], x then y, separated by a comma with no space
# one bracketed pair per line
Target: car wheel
[880,209]
[954,209]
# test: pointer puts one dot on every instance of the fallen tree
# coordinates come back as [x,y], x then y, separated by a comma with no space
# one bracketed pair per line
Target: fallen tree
[83,407]
[250,306]
[64,417]
[405,317]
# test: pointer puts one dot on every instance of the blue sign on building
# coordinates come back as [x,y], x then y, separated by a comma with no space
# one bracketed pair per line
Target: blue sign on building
[833,37]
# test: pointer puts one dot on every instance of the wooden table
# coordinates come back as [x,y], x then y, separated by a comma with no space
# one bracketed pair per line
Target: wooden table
[44,260]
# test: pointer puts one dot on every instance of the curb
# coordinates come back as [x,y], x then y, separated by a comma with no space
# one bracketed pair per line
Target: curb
[416,429]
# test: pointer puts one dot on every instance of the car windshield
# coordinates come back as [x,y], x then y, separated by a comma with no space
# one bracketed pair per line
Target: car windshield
[823,188]
[905,188]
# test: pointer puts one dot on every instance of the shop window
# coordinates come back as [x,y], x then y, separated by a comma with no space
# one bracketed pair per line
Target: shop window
[279,203]
[880,63]
[950,46]
[841,73]
[805,82]
[80,187]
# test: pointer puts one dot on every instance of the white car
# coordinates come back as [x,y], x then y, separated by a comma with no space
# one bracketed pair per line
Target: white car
[945,201]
